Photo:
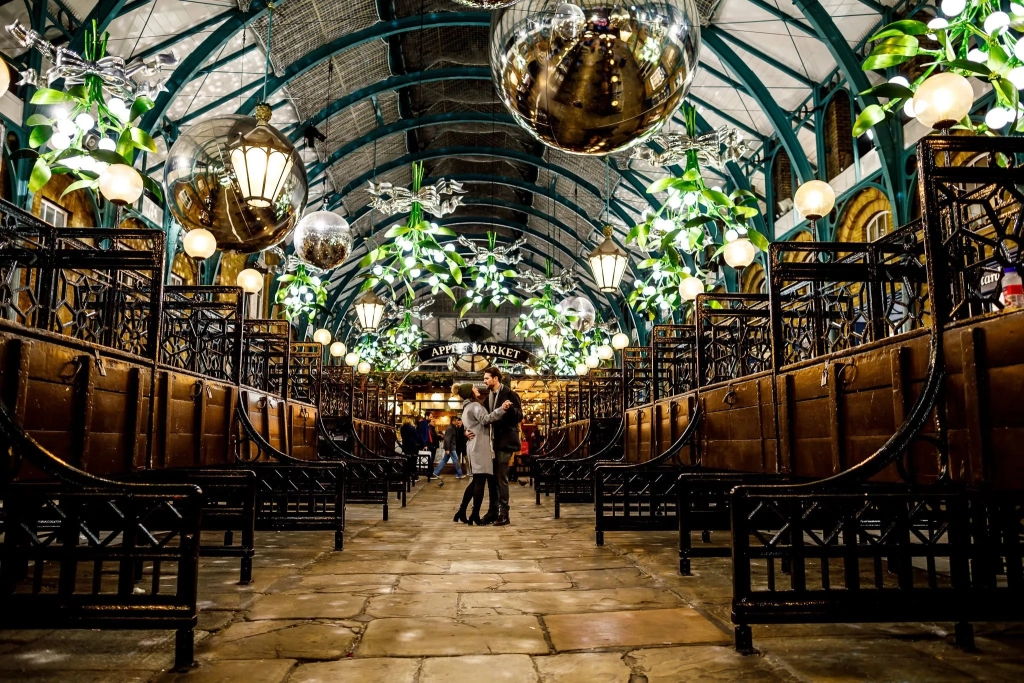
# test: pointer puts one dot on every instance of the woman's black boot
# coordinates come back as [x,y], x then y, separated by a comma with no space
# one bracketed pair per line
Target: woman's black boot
[460,516]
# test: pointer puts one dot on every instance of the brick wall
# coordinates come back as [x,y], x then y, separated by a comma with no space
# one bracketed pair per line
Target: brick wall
[77,204]
[838,135]
[782,180]
[859,211]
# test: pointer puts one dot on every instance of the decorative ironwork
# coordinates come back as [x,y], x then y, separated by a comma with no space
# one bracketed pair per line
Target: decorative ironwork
[336,392]
[733,339]
[716,148]
[201,331]
[673,360]
[304,360]
[265,353]
[605,392]
[637,376]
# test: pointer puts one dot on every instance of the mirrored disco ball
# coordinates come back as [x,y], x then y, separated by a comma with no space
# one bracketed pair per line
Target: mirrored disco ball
[582,309]
[203,190]
[322,239]
[594,76]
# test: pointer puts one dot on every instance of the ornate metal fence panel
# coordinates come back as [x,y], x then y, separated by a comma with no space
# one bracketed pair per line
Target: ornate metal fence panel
[201,331]
[637,376]
[24,242]
[304,368]
[265,356]
[673,362]
[972,198]
[734,336]
[336,391]
[832,296]
[605,392]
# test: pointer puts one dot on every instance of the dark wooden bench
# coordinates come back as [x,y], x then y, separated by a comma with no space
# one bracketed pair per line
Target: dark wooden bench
[574,477]
[367,479]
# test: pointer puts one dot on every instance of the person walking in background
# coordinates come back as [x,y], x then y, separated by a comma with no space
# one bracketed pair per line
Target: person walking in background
[481,456]
[411,443]
[451,449]
[428,440]
[504,437]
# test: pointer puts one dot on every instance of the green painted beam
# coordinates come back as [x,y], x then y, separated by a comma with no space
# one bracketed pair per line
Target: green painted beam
[756,89]
[168,43]
[767,59]
[888,138]
[378,31]
[726,117]
[782,16]
[104,12]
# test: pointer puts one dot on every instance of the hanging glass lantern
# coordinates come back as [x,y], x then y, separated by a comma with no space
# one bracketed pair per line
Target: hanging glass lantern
[552,343]
[262,161]
[322,336]
[369,311]
[338,349]
[608,263]
[620,340]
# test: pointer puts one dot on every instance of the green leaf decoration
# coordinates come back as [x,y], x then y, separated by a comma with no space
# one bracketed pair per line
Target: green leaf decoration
[153,187]
[892,91]
[900,28]
[78,185]
[441,230]
[456,274]
[39,135]
[447,290]
[1007,93]
[39,120]
[396,230]
[40,176]
[758,240]
[49,96]
[660,185]
[79,92]
[716,197]
[108,157]
[142,140]
[872,115]
[890,52]
[139,107]
[967,65]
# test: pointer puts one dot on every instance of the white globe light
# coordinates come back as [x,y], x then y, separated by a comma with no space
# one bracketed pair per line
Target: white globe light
[997,117]
[900,80]
[364,367]
[67,127]
[977,56]
[582,369]
[996,22]
[1016,75]
[107,144]
[936,24]
[454,402]
[908,108]
[952,8]
[620,340]
[59,141]
[690,287]
[85,122]
[121,184]
[338,349]
[592,361]
[117,107]
[814,199]
[605,352]
[740,253]
[351,359]
[250,280]
[1018,50]
[199,244]
[322,336]
[943,100]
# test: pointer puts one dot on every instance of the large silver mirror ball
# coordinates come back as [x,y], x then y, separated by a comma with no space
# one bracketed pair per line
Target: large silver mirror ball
[594,76]
[322,239]
[487,4]
[202,192]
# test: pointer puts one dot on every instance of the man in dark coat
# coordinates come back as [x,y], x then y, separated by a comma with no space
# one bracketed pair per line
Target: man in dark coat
[504,439]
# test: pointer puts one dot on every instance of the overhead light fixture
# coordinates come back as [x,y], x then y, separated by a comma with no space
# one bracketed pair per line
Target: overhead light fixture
[605,352]
[369,311]
[943,100]
[582,369]
[814,199]
[364,367]
[262,161]
[608,263]
[620,341]
[593,361]
[250,280]
[690,287]
[322,336]
[121,184]
[199,244]
[338,349]
[739,253]
[351,359]
[552,343]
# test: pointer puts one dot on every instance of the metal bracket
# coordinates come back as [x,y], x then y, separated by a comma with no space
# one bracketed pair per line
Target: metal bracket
[99,363]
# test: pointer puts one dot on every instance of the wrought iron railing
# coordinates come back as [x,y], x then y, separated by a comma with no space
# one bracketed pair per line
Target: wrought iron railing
[304,371]
[265,356]
[637,376]
[733,337]
[673,361]
[201,331]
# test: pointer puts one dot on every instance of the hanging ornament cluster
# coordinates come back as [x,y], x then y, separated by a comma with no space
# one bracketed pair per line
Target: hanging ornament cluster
[301,294]
[532,281]
[391,350]
[415,251]
[88,130]
[693,227]
[238,177]
[485,279]
[391,200]
[594,76]
[969,39]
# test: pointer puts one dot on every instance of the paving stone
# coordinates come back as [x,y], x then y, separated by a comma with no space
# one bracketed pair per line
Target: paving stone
[279,640]
[497,668]
[590,667]
[414,604]
[308,606]
[387,567]
[700,663]
[630,629]
[299,584]
[493,566]
[608,578]
[567,602]
[448,583]
[391,670]
[233,671]
[86,650]
[439,636]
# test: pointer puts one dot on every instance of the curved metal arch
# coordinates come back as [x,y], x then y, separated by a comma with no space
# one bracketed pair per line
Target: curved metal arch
[887,140]
[756,89]
[378,31]
[499,153]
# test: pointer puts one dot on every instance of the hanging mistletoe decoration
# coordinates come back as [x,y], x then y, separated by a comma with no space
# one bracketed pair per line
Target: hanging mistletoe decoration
[693,218]
[393,349]
[415,250]
[300,295]
[486,276]
[90,124]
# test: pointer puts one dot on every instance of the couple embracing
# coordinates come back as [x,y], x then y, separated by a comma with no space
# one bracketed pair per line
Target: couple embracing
[491,418]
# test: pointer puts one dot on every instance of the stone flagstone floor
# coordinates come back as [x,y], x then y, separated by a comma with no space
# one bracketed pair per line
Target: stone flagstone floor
[420,599]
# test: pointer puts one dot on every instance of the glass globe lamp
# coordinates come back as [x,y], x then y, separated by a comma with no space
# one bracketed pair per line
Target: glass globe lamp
[322,336]
[120,184]
[608,263]
[592,361]
[364,367]
[581,309]
[351,359]
[454,402]
[338,349]
[322,239]
[199,244]
[210,163]
[690,288]
[369,311]
[250,280]
[620,341]
[487,4]
[605,352]
[814,199]
[739,253]
[943,100]
[594,76]
[582,369]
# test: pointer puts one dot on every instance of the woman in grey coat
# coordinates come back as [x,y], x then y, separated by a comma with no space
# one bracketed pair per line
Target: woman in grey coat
[478,421]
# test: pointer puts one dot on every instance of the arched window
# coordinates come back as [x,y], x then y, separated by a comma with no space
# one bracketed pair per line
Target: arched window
[877,226]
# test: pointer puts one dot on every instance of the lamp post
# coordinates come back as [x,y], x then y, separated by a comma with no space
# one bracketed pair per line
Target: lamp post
[251,282]
[814,200]
[338,350]
[199,245]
